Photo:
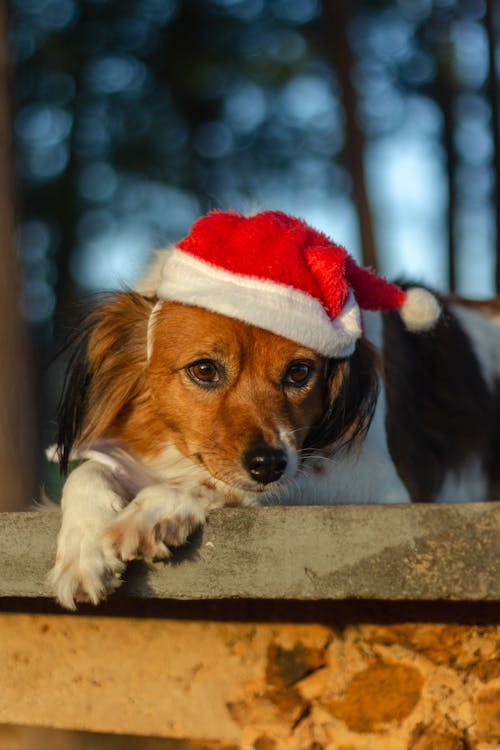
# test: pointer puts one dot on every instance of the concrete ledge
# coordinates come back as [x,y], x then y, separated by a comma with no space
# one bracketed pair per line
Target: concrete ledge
[392,553]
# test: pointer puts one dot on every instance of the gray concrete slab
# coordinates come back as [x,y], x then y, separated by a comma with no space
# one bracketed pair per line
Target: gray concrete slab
[396,553]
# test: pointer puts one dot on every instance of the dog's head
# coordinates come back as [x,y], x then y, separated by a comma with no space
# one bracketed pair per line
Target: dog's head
[246,404]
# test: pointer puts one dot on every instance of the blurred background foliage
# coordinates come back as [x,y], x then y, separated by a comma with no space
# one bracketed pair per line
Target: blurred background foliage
[376,120]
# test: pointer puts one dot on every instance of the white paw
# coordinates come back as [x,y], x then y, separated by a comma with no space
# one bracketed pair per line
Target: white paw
[149,526]
[86,570]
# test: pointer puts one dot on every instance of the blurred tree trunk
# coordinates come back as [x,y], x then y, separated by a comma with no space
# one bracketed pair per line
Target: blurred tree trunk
[492,10]
[17,435]
[335,30]
[67,292]
[445,99]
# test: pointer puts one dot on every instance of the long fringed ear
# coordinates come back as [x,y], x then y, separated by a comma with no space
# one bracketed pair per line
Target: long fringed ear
[105,371]
[353,388]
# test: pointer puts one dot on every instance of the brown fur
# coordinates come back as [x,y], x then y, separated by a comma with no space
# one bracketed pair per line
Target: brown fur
[106,371]
[216,425]
[145,404]
[117,360]
[485,306]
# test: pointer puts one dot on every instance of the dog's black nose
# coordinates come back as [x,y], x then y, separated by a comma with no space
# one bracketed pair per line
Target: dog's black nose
[265,464]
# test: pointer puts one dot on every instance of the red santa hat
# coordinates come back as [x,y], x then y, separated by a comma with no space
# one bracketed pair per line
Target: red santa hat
[275,272]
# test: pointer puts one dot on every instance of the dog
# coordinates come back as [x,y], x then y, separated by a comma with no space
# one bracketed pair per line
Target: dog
[174,409]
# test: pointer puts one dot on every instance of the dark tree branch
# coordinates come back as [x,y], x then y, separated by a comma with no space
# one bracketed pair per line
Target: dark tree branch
[16,402]
[339,53]
[492,8]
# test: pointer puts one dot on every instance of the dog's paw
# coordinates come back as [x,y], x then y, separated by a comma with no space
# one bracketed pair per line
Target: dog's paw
[86,571]
[151,524]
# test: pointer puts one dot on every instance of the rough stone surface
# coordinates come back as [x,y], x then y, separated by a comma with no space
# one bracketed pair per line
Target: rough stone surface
[361,708]
[260,686]
[416,552]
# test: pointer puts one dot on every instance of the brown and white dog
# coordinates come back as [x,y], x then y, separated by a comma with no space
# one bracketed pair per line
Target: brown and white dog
[176,410]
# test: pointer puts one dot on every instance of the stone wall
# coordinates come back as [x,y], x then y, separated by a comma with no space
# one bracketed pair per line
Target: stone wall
[261,686]
[411,686]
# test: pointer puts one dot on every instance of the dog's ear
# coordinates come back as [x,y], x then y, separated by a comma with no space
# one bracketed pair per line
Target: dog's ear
[352,388]
[105,372]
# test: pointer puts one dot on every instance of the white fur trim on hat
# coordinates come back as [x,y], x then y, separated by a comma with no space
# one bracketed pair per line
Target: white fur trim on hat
[278,308]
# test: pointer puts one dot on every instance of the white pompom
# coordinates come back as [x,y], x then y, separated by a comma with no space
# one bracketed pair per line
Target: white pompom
[420,310]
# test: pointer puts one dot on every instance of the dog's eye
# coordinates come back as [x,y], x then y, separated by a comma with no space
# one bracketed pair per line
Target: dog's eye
[205,372]
[298,374]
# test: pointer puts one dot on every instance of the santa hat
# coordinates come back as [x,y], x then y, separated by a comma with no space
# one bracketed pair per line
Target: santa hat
[275,272]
